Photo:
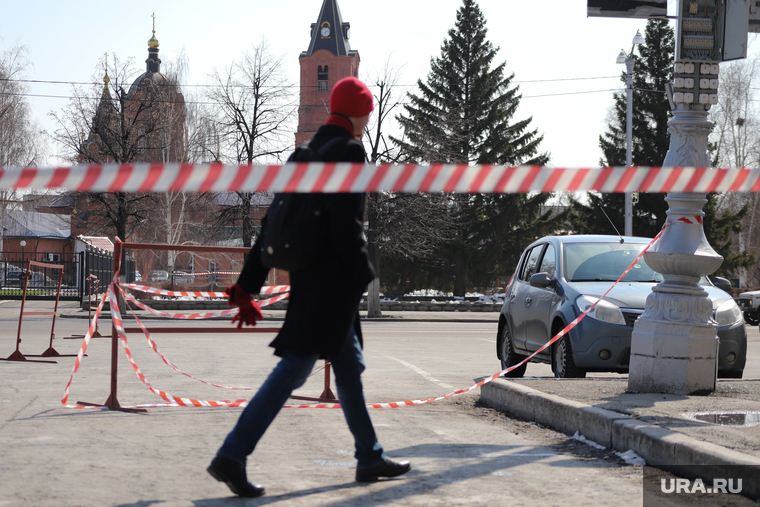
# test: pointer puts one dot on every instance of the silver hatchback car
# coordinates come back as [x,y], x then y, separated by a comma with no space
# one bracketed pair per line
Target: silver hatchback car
[559,277]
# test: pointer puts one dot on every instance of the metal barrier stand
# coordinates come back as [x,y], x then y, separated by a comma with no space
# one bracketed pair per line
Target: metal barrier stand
[112,402]
[50,352]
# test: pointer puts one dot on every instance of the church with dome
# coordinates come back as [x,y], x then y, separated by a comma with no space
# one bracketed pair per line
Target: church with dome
[148,127]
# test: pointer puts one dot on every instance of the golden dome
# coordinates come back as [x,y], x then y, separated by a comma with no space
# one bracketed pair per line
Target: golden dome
[153,42]
[106,79]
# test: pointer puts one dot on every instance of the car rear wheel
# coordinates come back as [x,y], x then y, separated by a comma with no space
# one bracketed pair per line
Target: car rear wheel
[562,360]
[508,356]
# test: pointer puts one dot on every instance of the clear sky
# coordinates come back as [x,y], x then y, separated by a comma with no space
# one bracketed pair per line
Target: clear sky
[563,61]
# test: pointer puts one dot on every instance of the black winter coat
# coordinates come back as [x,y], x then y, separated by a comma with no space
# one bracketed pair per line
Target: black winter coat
[324,297]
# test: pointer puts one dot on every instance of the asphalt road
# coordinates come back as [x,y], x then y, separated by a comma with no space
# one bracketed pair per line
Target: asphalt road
[461,452]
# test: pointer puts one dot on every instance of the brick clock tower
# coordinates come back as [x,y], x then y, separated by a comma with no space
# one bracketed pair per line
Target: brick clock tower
[328,60]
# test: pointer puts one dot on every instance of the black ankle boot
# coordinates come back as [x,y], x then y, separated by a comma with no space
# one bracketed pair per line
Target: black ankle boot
[387,468]
[232,473]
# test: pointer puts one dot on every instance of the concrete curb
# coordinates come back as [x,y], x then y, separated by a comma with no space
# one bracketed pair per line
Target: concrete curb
[660,447]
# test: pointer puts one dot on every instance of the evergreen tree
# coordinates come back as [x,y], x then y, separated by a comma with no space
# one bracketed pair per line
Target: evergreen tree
[464,114]
[651,112]
[650,139]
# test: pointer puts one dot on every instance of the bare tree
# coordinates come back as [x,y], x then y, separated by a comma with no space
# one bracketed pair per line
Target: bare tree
[255,111]
[21,142]
[400,225]
[181,211]
[130,118]
[736,137]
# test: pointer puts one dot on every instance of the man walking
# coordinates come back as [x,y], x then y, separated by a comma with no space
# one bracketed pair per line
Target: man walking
[315,327]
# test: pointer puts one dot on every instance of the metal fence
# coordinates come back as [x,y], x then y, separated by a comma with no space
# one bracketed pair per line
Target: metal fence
[43,282]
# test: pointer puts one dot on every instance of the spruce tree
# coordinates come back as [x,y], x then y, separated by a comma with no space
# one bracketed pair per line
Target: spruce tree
[464,114]
[651,112]
[650,139]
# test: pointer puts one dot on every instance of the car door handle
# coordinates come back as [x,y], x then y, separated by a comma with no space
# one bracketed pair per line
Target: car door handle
[528,301]
[511,298]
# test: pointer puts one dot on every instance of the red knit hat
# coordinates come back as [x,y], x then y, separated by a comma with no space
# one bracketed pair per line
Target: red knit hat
[351,97]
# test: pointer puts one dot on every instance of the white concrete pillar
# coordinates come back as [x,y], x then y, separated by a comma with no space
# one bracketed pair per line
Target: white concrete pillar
[674,346]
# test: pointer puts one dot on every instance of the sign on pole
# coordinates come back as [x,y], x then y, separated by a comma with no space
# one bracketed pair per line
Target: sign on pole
[628,8]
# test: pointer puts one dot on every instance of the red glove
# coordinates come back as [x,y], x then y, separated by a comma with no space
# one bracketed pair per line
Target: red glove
[249,312]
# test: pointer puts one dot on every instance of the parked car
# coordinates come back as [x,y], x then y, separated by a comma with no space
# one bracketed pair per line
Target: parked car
[749,302]
[558,277]
[158,275]
[7,273]
[182,278]
[16,279]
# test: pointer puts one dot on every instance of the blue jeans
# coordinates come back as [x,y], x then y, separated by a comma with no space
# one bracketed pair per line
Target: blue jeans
[290,374]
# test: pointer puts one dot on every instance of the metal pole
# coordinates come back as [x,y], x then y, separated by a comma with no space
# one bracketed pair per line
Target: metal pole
[629,61]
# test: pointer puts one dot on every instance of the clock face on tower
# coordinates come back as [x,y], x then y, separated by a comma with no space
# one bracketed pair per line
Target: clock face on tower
[325,32]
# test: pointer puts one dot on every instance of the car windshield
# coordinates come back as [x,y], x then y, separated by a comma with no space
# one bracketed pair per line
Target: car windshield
[605,262]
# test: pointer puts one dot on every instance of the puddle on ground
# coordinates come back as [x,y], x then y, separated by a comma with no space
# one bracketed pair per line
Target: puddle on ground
[736,419]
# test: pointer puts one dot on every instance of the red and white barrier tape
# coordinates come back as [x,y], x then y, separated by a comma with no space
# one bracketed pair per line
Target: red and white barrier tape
[82,350]
[170,315]
[176,293]
[196,316]
[179,401]
[408,403]
[320,177]
[174,400]
[269,289]
[274,289]
[154,347]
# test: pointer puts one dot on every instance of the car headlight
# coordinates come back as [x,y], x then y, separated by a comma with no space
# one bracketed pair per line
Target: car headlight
[603,311]
[728,313]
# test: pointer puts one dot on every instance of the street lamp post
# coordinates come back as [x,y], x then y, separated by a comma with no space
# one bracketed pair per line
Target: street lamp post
[628,59]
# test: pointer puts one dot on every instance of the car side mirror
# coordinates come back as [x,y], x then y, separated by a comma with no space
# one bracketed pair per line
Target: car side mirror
[722,283]
[540,280]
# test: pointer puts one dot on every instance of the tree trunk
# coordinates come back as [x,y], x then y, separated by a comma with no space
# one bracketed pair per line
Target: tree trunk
[245,198]
[373,291]
[460,272]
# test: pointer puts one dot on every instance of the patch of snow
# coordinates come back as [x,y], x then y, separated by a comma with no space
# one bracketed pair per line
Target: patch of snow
[631,458]
[586,441]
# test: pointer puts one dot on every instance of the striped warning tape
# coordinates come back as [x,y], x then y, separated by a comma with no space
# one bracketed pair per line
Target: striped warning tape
[205,273]
[154,347]
[173,401]
[195,316]
[121,333]
[266,290]
[83,349]
[347,177]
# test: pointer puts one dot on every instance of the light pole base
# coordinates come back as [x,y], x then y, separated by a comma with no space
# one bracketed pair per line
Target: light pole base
[673,358]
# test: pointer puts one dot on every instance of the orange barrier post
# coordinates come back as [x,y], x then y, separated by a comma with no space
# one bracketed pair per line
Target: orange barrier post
[50,352]
[327,394]
[112,402]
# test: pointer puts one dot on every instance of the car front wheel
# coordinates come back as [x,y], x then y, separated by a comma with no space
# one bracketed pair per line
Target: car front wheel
[752,318]
[508,356]
[562,360]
